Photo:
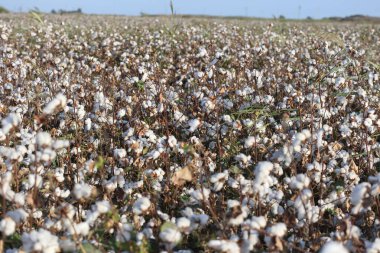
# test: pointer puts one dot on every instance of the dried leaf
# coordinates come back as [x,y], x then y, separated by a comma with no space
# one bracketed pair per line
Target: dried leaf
[336,146]
[353,167]
[182,176]
[278,244]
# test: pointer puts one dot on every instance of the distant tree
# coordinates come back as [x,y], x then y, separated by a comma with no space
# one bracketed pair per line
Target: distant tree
[281,17]
[79,10]
[309,18]
[3,10]
[53,11]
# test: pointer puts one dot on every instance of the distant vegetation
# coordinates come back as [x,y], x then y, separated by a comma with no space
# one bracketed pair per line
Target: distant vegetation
[60,11]
[3,10]
[355,18]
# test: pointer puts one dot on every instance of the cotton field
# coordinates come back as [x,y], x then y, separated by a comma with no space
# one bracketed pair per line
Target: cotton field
[188,135]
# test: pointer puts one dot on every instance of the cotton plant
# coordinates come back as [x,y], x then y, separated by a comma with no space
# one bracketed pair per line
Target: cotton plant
[223,141]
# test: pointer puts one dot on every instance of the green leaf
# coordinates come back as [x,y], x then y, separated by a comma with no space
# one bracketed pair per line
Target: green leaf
[100,163]
[89,248]
[36,17]
[167,225]
[172,7]
[235,170]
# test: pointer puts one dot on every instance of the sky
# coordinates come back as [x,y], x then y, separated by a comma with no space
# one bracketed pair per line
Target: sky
[255,8]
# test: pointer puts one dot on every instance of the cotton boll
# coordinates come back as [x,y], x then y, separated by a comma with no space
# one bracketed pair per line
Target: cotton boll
[121,113]
[202,52]
[225,246]
[153,155]
[67,245]
[103,206]
[129,133]
[61,193]
[202,219]
[81,229]
[11,121]
[41,241]
[243,159]
[43,139]
[87,124]
[82,191]
[59,144]
[59,175]
[141,205]
[119,153]
[374,247]
[262,171]
[172,141]
[58,102]
[124,233]
[249,142]
[218,180]
[339,81]
[170,236]
[200,195]
[358,194]
[299,182]
[7,226]
[18,215]
[278,229]
[183,224]
[256,223]
[334,247]
[194,124]
[33,180]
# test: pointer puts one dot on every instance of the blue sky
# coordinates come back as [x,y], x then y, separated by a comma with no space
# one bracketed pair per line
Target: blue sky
[257,8]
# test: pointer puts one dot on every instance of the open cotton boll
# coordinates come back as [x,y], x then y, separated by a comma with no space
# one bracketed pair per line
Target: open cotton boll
[124,233]
[339,81]
[7,226]
[172,141]
[141,205]
[33,180]
[218,180]
[263,166]
[43,139]
[103,206]
[183,224]
[82,191]
[243,159]
[67,245]
[202,52]
[334,247]
[262,171]
[225,246]
[58,102]
[278,229]
[82,228]
[59,144]
[87,124]
[200,195]
[18,215]
[194,124]
[256,223]
[299,182]
[358,193]
[119,153]
[40,241]
[121,113]
[11,121]
[374,247]
[170,236]
[249,142]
